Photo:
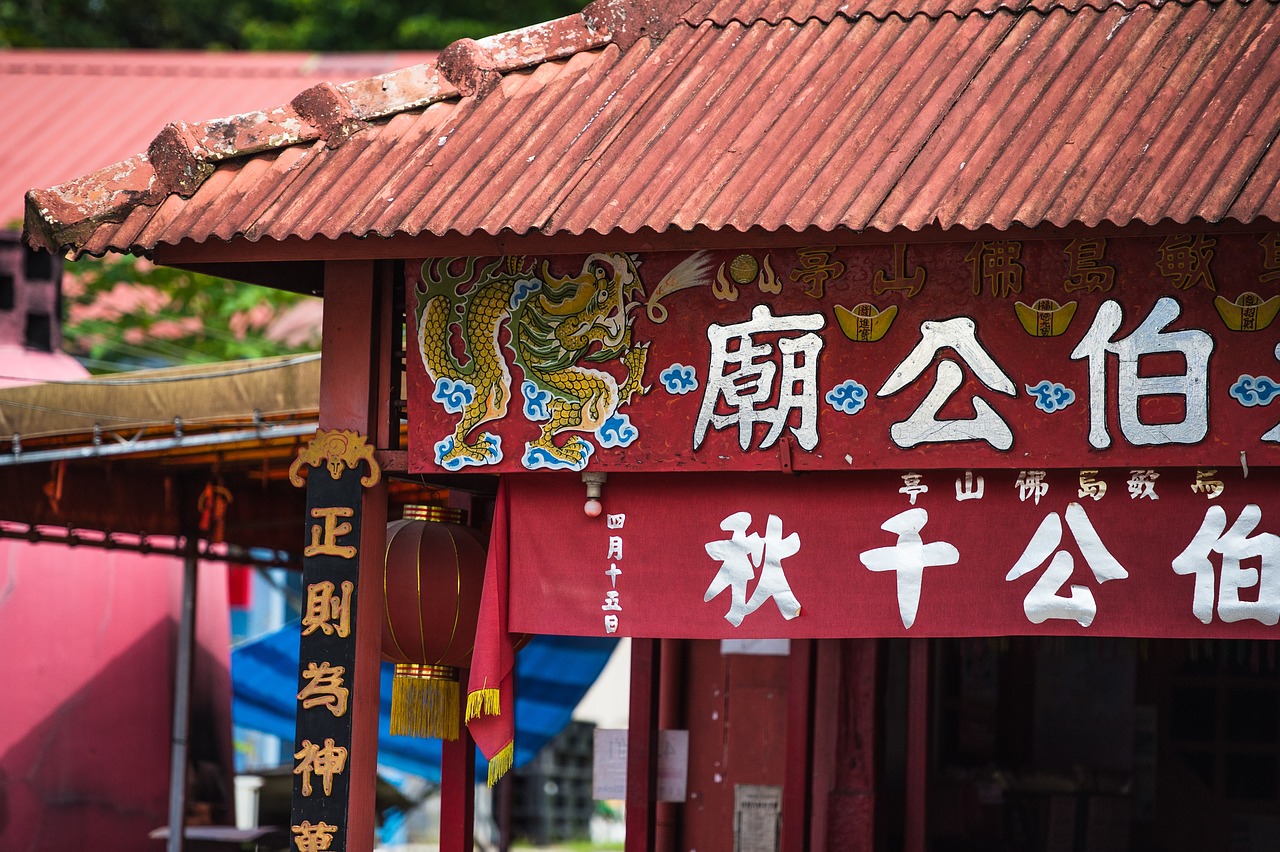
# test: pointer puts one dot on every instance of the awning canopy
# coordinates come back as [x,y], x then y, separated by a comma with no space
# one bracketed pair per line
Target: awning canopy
[552,672]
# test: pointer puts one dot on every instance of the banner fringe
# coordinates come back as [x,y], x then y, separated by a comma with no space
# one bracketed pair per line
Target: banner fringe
[424,708]
[484,702]
[501,762]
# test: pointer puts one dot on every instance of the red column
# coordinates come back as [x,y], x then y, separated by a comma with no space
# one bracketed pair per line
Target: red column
[354,394]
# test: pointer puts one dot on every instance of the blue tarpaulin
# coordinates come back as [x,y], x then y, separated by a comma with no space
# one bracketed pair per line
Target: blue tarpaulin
[552,675]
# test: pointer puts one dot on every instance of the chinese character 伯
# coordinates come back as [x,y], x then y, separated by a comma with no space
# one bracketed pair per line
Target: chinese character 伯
[1149,338]
[757,381]
[1234,545]
[740,555]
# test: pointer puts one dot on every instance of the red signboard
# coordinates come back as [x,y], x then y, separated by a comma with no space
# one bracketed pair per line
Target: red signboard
[1134,352]
[1137,552]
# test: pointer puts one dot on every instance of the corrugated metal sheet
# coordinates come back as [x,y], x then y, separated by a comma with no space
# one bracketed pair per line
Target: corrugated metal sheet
[69,111]
[824,118]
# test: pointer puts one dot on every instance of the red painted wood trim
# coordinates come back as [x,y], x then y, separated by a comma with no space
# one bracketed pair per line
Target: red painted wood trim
[797,789]
[347,374]
[916,833]
[642,745]
[671,716]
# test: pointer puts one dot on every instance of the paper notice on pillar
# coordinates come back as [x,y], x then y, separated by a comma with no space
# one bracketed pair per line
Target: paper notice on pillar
[756,647]
[757,818]
[609,765]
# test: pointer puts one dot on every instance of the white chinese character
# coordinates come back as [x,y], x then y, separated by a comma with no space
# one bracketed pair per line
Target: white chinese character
[743,377]
[1044,601]
[1149,338]
[740,555]
[615,547]
[615,522]
[912,486]
[961,335]
[909,557]
[1142,483]
[613,573]
[1234,545]
[969,490]
[1091,487]
[611,602]
[611,623]
[1031,484]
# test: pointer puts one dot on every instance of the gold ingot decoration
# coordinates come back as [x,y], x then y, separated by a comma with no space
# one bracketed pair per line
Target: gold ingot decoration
[743,269]
[865,323]
[1249,312]
[1044,317]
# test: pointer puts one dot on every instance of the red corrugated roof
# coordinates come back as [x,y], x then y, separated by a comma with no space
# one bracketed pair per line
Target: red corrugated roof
[69,111]
[878,115]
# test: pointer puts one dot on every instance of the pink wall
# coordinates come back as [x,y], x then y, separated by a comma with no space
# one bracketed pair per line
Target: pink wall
[87,640]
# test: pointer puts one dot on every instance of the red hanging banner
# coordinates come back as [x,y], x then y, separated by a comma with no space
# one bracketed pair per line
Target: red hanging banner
[1138,552]
[1152,352]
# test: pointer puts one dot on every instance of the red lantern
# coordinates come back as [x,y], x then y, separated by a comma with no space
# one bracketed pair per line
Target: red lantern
[432,576]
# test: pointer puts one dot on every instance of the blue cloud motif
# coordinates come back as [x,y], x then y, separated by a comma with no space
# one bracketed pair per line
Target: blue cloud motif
[617,431]
[1051,396]
[535,402]
[524,289]
[443,448]
[1254,390]
[454,396]
[537,458]
[848,396]
[679,379]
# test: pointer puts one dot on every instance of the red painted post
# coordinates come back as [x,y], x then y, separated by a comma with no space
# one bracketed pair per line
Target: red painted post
[457,788]
[670,717]
[354,372]
[797,785]
[642,745]
[916,830]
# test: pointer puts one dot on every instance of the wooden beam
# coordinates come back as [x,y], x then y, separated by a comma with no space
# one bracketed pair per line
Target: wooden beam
[916,832]
[642,745]
[797,785]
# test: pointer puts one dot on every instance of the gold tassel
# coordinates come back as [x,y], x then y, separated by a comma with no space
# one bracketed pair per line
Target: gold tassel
[501,763]
[484,702]
[424,701]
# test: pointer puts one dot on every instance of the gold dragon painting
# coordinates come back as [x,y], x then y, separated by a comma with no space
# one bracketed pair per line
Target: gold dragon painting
[570,337]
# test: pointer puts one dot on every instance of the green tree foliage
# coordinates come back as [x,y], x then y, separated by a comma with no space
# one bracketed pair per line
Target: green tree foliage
[309,25]
[124,312]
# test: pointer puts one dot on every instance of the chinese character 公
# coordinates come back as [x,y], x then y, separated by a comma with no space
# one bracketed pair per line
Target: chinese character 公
[1149,338]
[740,554]
[961,335]
[1234,545]
[1044,601]
[744,378]
[909,557]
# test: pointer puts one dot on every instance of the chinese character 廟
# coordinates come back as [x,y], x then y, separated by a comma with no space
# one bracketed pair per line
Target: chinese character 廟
[742,377]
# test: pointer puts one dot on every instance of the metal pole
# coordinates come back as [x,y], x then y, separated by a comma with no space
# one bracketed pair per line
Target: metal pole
[182,703]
